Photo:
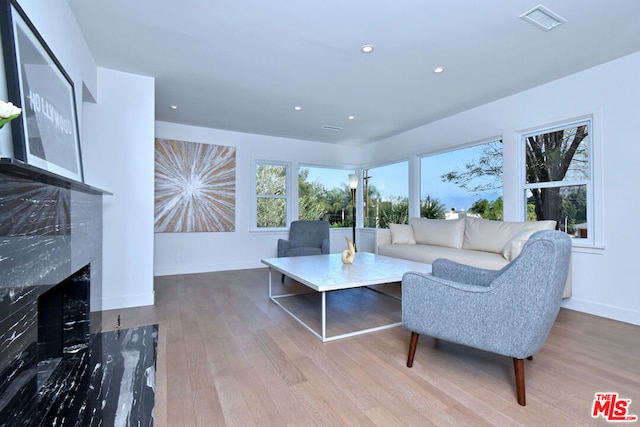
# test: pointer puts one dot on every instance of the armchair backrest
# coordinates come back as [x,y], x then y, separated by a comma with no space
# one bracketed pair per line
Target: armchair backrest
[308,233]
[531,286]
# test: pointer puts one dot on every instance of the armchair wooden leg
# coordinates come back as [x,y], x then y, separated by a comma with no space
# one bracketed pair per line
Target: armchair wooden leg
[282,279]
[412,348]
[518,367]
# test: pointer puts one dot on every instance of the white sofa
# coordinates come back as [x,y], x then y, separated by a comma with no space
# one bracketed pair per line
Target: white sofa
[473,241]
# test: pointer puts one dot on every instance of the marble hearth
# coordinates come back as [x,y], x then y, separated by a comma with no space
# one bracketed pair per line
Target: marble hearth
[50,285]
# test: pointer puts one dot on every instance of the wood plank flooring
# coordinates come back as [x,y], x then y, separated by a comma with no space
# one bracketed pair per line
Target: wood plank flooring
[227,356]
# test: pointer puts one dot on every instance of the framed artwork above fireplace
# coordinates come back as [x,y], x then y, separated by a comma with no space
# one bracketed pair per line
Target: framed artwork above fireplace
[46,134]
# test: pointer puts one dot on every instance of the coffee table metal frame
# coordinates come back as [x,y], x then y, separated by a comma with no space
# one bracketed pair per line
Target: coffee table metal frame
[326,273]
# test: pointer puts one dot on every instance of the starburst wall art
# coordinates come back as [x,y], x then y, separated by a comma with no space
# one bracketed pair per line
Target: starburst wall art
[195,187]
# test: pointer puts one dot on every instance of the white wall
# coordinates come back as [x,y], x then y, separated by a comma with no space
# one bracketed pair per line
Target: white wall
[178,253]
[604,276]
[120,159]
[56,24]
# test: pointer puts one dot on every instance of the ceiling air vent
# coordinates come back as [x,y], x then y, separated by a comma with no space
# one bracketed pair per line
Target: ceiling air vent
[543,18]
[333,128]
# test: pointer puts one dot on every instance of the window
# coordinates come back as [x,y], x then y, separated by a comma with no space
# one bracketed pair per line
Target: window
[271,194]
[557,177]
[324,194]
[386,195]
[461,182]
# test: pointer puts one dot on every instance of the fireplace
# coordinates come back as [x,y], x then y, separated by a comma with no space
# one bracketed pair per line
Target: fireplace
[50,287]
[63,319]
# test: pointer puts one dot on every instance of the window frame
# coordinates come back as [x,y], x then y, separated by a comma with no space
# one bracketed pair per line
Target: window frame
[255,196]
[347,171]
[593,218]
[362,184]
[474,144]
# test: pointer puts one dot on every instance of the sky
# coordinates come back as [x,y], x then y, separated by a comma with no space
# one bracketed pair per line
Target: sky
[392,180]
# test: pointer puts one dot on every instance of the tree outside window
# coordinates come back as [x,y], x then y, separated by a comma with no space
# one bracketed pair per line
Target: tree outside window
[271,195]
[324,194]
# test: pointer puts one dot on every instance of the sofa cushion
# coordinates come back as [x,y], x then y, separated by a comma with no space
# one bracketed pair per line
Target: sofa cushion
[488,235]
[429,253]
[438,232]
[401,234]
[514,246]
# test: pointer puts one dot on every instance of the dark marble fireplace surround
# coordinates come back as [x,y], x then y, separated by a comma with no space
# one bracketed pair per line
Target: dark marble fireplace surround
[50,273]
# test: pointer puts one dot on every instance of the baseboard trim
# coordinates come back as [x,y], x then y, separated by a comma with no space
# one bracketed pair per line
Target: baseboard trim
[206,268]
[128,301]
[603,310]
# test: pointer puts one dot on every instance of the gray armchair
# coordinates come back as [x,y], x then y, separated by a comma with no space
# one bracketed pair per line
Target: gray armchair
[509,311]
[305,238]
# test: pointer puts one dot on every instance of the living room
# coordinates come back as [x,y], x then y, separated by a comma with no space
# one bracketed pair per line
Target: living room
[118,126]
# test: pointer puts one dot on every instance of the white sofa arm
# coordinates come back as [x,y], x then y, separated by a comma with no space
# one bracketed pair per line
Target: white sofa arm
[383,237]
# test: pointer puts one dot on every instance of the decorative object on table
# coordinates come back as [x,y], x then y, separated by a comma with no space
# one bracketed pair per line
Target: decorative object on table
[195,187]
[8,112]
[353,185]
[349,253]
[509,311]
[47,135]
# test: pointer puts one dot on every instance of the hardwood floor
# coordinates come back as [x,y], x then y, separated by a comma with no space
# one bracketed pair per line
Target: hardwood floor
[229,356]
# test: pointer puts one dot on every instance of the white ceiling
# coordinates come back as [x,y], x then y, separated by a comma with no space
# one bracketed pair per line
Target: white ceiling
[243,65]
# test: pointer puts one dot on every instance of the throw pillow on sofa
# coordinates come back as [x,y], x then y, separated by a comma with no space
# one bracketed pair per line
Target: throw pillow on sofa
[438,232]
[488,235]
[401,234]
[513,247]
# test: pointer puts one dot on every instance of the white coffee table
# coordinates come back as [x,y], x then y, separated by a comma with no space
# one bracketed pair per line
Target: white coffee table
[325,273]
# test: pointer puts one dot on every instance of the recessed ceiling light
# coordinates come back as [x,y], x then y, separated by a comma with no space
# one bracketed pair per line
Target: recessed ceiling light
[438,70]
[173,107]
[297,108]
[351,117]
[367,48]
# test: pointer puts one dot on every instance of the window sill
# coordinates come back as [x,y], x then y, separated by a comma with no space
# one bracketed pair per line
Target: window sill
[586,248]
[268,230]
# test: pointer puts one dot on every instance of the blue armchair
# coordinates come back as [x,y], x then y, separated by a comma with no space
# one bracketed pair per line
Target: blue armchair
[509,311]
[305,238]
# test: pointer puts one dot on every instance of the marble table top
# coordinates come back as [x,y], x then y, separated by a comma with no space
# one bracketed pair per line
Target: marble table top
[327,272]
